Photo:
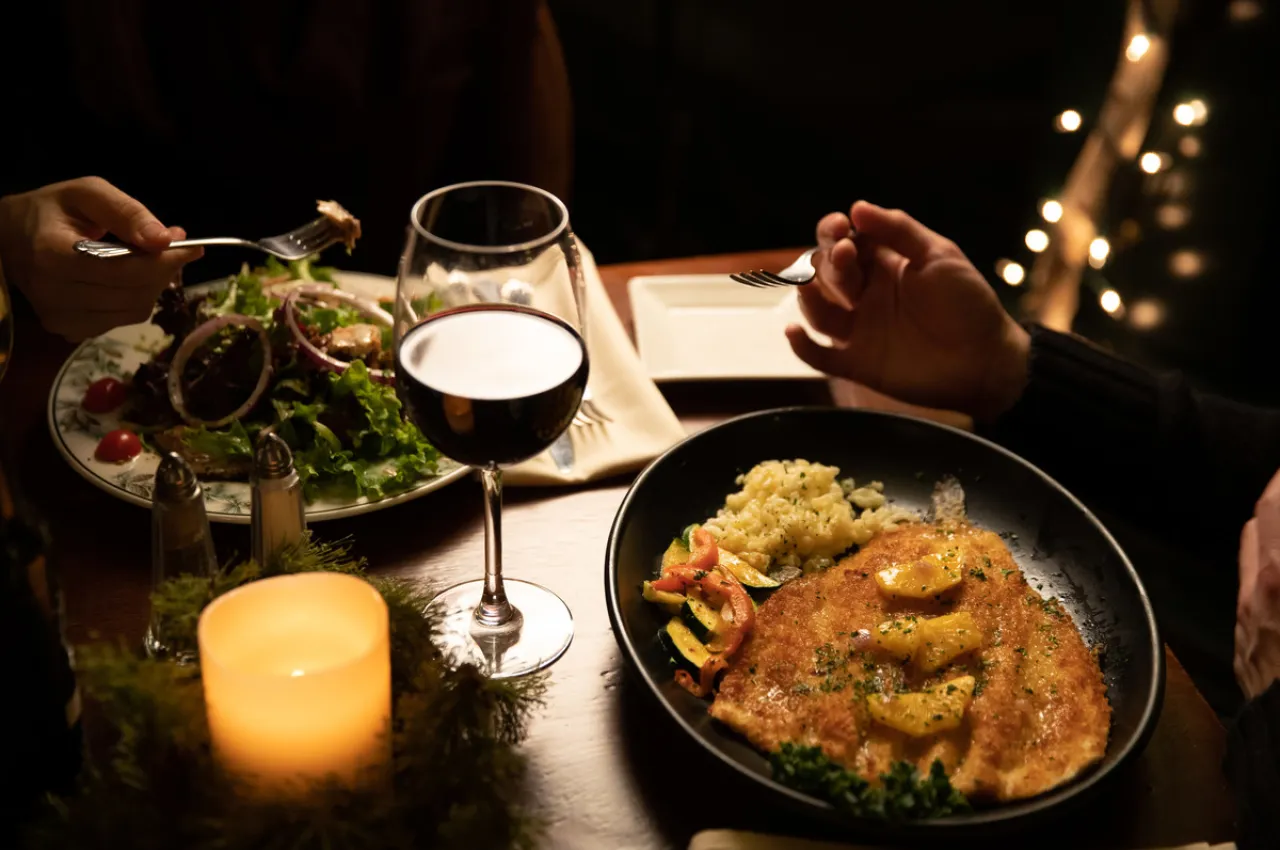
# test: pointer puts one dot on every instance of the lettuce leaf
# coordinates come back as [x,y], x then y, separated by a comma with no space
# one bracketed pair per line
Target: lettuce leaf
[229,444]
[354,442]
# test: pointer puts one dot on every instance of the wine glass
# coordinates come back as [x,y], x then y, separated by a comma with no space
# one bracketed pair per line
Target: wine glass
[491,365]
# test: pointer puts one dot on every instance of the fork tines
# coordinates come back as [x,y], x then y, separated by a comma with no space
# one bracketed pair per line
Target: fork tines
[313,233]
[759,277]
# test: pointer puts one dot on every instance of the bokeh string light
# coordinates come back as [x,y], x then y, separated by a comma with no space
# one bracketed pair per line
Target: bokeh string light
[1138,47]
[1068,121]
[1173,213]
[1099,250]
[1010,272]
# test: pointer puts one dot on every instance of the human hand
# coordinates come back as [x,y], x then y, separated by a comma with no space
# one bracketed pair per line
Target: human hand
[75,295]
[909,316]
[1257,661]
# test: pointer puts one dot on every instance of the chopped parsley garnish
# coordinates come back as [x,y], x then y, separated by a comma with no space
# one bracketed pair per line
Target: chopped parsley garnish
[977,573]
[903,794]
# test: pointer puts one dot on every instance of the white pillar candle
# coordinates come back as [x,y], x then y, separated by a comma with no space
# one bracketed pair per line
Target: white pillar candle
[297,679]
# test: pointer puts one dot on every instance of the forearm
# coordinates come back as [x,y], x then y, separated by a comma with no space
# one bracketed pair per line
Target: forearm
[1140,443]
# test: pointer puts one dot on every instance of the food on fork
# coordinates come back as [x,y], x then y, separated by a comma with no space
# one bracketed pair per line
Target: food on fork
[343,220]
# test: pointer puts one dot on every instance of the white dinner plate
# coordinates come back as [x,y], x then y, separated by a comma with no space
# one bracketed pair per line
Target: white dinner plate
[707,327]
[117,354]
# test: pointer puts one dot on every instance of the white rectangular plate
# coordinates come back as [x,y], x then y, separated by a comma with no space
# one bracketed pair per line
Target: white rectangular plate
[707,327]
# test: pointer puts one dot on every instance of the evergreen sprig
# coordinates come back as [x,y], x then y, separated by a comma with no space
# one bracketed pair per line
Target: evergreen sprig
[457,776]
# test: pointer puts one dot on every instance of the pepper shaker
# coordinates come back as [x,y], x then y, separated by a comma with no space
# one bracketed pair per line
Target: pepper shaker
[279,517]
[181,541]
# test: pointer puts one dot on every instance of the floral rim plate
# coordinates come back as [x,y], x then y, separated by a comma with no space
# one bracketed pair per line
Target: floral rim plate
[119,352]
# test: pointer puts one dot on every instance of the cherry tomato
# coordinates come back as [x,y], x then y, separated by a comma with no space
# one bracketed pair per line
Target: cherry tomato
[104,395]
[118,446]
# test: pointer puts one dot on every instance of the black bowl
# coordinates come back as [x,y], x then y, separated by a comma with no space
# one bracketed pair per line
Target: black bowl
[1057,542]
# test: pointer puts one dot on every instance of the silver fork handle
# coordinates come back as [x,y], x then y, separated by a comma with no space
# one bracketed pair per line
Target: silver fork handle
[115,249]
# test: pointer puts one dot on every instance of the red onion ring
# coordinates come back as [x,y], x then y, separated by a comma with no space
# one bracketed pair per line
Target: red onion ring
[327,294]
[193,341]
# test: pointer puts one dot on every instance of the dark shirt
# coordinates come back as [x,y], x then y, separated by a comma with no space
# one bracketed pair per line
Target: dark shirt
[1181,471]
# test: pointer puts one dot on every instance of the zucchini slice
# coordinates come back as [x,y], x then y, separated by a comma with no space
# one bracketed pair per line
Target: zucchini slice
[700,618]
[666,598]
[686,650]
[751,578]
[677,553]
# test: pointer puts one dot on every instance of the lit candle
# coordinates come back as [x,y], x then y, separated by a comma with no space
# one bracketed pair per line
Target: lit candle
[297,679]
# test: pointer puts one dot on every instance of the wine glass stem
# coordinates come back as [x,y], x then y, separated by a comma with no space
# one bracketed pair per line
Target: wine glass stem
[494,609]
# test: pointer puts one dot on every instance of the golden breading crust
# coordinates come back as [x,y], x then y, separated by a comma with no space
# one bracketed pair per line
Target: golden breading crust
[1040,715]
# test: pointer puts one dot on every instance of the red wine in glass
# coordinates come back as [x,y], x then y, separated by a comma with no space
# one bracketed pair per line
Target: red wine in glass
[491,384]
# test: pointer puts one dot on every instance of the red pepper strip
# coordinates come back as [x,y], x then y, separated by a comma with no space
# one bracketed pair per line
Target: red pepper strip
[706,554]
[744,613]
[668,583]
[716,583]
[706,676]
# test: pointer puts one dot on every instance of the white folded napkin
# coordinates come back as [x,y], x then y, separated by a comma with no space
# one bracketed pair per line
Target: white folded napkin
[726,839]
[643,423]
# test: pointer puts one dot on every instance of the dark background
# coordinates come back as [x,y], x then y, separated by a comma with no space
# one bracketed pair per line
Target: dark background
[700,126]
[721,125]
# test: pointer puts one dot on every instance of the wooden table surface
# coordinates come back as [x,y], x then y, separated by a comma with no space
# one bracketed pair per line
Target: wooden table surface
[607,768]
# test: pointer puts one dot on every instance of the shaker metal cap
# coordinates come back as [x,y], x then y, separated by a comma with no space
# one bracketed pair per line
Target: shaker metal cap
[272,459]
[175,480]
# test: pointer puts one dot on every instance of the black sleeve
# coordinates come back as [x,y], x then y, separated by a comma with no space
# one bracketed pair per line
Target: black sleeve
[1253,767]
[1144,445]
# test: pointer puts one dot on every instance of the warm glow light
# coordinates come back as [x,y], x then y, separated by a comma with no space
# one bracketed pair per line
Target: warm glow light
[297,679]
[1068,121]
[1138,47]
[1146,314]
[1010,272]
[1172,216]
[1037,240]
[1243,11]
[1186,263]
[1189,146]
[1052,211]
[1151,162]
[1099,249]
[1192,113]
[1110,301]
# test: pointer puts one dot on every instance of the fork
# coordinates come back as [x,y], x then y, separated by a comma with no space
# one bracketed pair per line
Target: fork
[797,274]
[589,413]
[310,238]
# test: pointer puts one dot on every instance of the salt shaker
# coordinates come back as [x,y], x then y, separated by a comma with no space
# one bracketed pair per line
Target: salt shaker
[180,538]
[278,511]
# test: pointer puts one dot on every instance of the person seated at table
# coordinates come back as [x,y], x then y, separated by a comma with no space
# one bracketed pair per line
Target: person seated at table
[234,118]
[910,316]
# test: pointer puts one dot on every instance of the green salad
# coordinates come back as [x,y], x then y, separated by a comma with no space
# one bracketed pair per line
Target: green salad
[282,347]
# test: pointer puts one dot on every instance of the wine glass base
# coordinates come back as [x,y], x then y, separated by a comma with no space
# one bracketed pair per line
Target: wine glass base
[534,639]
